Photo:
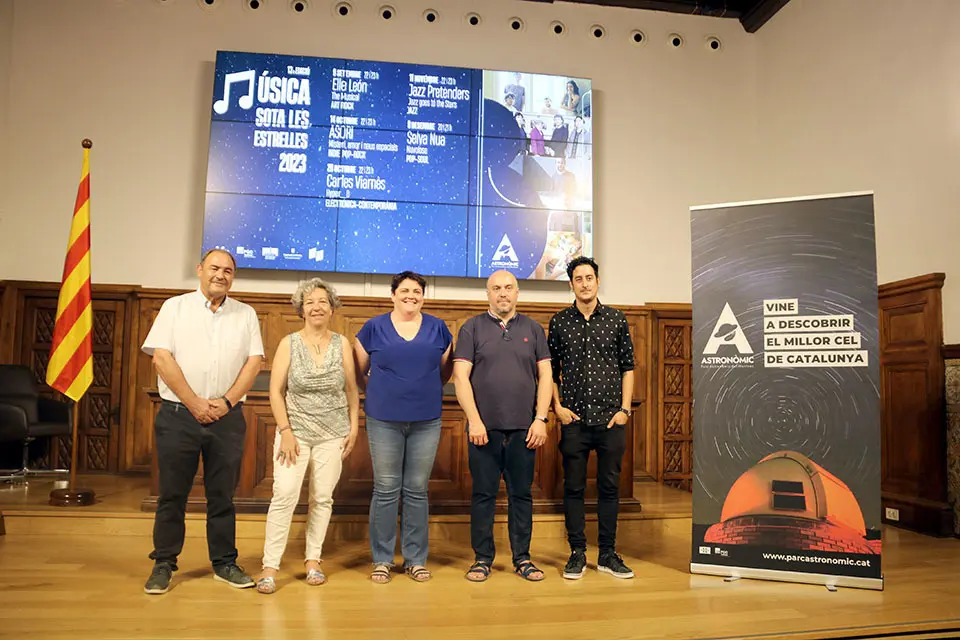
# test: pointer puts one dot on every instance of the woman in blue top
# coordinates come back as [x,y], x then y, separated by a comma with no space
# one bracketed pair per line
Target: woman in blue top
[403,360]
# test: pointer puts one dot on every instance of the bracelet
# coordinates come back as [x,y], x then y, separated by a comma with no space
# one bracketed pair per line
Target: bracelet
[226,400]
[286,428]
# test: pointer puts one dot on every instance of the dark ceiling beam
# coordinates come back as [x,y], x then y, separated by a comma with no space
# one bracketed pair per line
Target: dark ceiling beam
[714,8]
[752,14]
[760,13]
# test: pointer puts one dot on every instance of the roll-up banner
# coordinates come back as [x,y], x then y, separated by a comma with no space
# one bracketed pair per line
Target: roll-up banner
[786,391]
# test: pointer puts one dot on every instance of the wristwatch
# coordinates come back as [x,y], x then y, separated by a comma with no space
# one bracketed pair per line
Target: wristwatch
[622,410]
[542,419]
[229,404]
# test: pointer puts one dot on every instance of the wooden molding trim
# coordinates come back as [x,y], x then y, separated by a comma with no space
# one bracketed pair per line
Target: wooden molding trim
[929,517]
[951,351]
[103,290]
[145,293]
[910,285]
[678,310]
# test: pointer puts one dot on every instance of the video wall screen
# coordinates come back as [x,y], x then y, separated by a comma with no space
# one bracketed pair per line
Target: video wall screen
[324,164]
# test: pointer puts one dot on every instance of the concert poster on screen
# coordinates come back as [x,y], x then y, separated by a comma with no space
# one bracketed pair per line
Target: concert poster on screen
[337,165]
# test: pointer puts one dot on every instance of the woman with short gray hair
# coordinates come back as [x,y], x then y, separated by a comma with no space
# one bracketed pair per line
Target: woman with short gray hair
[315,402]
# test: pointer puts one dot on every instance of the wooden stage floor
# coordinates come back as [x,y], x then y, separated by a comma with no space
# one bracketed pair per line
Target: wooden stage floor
[78,573]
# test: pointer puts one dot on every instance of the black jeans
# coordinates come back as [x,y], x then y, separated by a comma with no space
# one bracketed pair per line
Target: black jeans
[180,441]
[576,441]
[506,454]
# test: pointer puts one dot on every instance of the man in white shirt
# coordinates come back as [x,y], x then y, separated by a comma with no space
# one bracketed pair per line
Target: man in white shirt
[207,350]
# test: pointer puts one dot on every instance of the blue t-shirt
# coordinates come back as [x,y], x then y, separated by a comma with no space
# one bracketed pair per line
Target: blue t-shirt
[404,383]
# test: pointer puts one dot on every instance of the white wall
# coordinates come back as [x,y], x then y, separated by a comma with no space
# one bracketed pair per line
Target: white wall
[6,50]
[673,127]
[829,96]
[865,94]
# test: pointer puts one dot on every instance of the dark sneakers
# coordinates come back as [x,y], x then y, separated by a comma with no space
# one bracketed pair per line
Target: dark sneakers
[233,576]
[611,563]
[576,565]
[159,580]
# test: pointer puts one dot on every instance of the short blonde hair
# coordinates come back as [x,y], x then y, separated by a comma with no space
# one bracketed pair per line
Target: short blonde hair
[307,287]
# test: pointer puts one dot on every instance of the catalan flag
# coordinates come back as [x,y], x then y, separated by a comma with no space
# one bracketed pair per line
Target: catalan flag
[70,370]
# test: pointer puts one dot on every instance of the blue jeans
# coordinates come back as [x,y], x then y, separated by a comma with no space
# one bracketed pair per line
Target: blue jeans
[402,455]
[505,455]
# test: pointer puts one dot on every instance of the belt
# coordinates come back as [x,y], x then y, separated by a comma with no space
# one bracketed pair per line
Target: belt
[177,406]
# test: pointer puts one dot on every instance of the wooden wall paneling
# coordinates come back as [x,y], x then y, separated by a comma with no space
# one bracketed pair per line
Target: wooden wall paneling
[355,312]
[131,366]
[450,467]
[913,429]
[626,472]
[36,335]
[639,334]
[651,451]
[356,478]
[675,402]
[644,435]
[256,471]
[264,317]
[666,324]
[453,318]
[126,379]
[911,366]
[99,437]
[11,325]
[122,366]
[100,409]
[546,467]
[548,478]
[153,407]
[450,483]
[264,431]
[139,443]
[8,322]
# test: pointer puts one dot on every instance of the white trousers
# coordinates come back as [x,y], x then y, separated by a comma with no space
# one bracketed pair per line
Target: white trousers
[325,465]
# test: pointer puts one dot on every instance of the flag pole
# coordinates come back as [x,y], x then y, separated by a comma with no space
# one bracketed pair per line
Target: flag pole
[72,496]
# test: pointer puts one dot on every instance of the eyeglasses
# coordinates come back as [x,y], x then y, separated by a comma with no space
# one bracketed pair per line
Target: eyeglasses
[506,334]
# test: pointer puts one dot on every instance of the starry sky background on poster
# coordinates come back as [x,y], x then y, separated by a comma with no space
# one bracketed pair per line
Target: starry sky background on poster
[823,253]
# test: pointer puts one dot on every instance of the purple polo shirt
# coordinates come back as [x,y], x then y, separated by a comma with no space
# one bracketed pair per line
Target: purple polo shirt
[504,374]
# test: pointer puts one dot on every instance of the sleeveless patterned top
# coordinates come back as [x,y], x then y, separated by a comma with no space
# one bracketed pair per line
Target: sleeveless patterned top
[316,400]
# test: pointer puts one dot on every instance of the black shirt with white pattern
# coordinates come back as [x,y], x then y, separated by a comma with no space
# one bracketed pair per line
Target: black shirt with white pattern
[589,360]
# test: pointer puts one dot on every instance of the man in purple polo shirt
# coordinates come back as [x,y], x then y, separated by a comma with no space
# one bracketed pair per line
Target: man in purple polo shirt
[504,384]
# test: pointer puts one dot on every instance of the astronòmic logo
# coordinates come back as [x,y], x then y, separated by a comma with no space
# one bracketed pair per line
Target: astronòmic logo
[505,257]
[727,337]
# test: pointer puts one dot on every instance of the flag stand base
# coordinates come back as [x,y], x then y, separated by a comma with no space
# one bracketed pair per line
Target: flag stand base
[72,497]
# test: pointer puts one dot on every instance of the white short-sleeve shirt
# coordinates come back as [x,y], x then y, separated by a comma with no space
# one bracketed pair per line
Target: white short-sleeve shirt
[210,347]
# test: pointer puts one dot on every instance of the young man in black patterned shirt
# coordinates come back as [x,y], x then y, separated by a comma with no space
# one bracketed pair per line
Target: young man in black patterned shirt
[592,356]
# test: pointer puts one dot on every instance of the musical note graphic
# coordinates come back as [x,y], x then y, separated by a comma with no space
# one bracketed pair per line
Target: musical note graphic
[246,101]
